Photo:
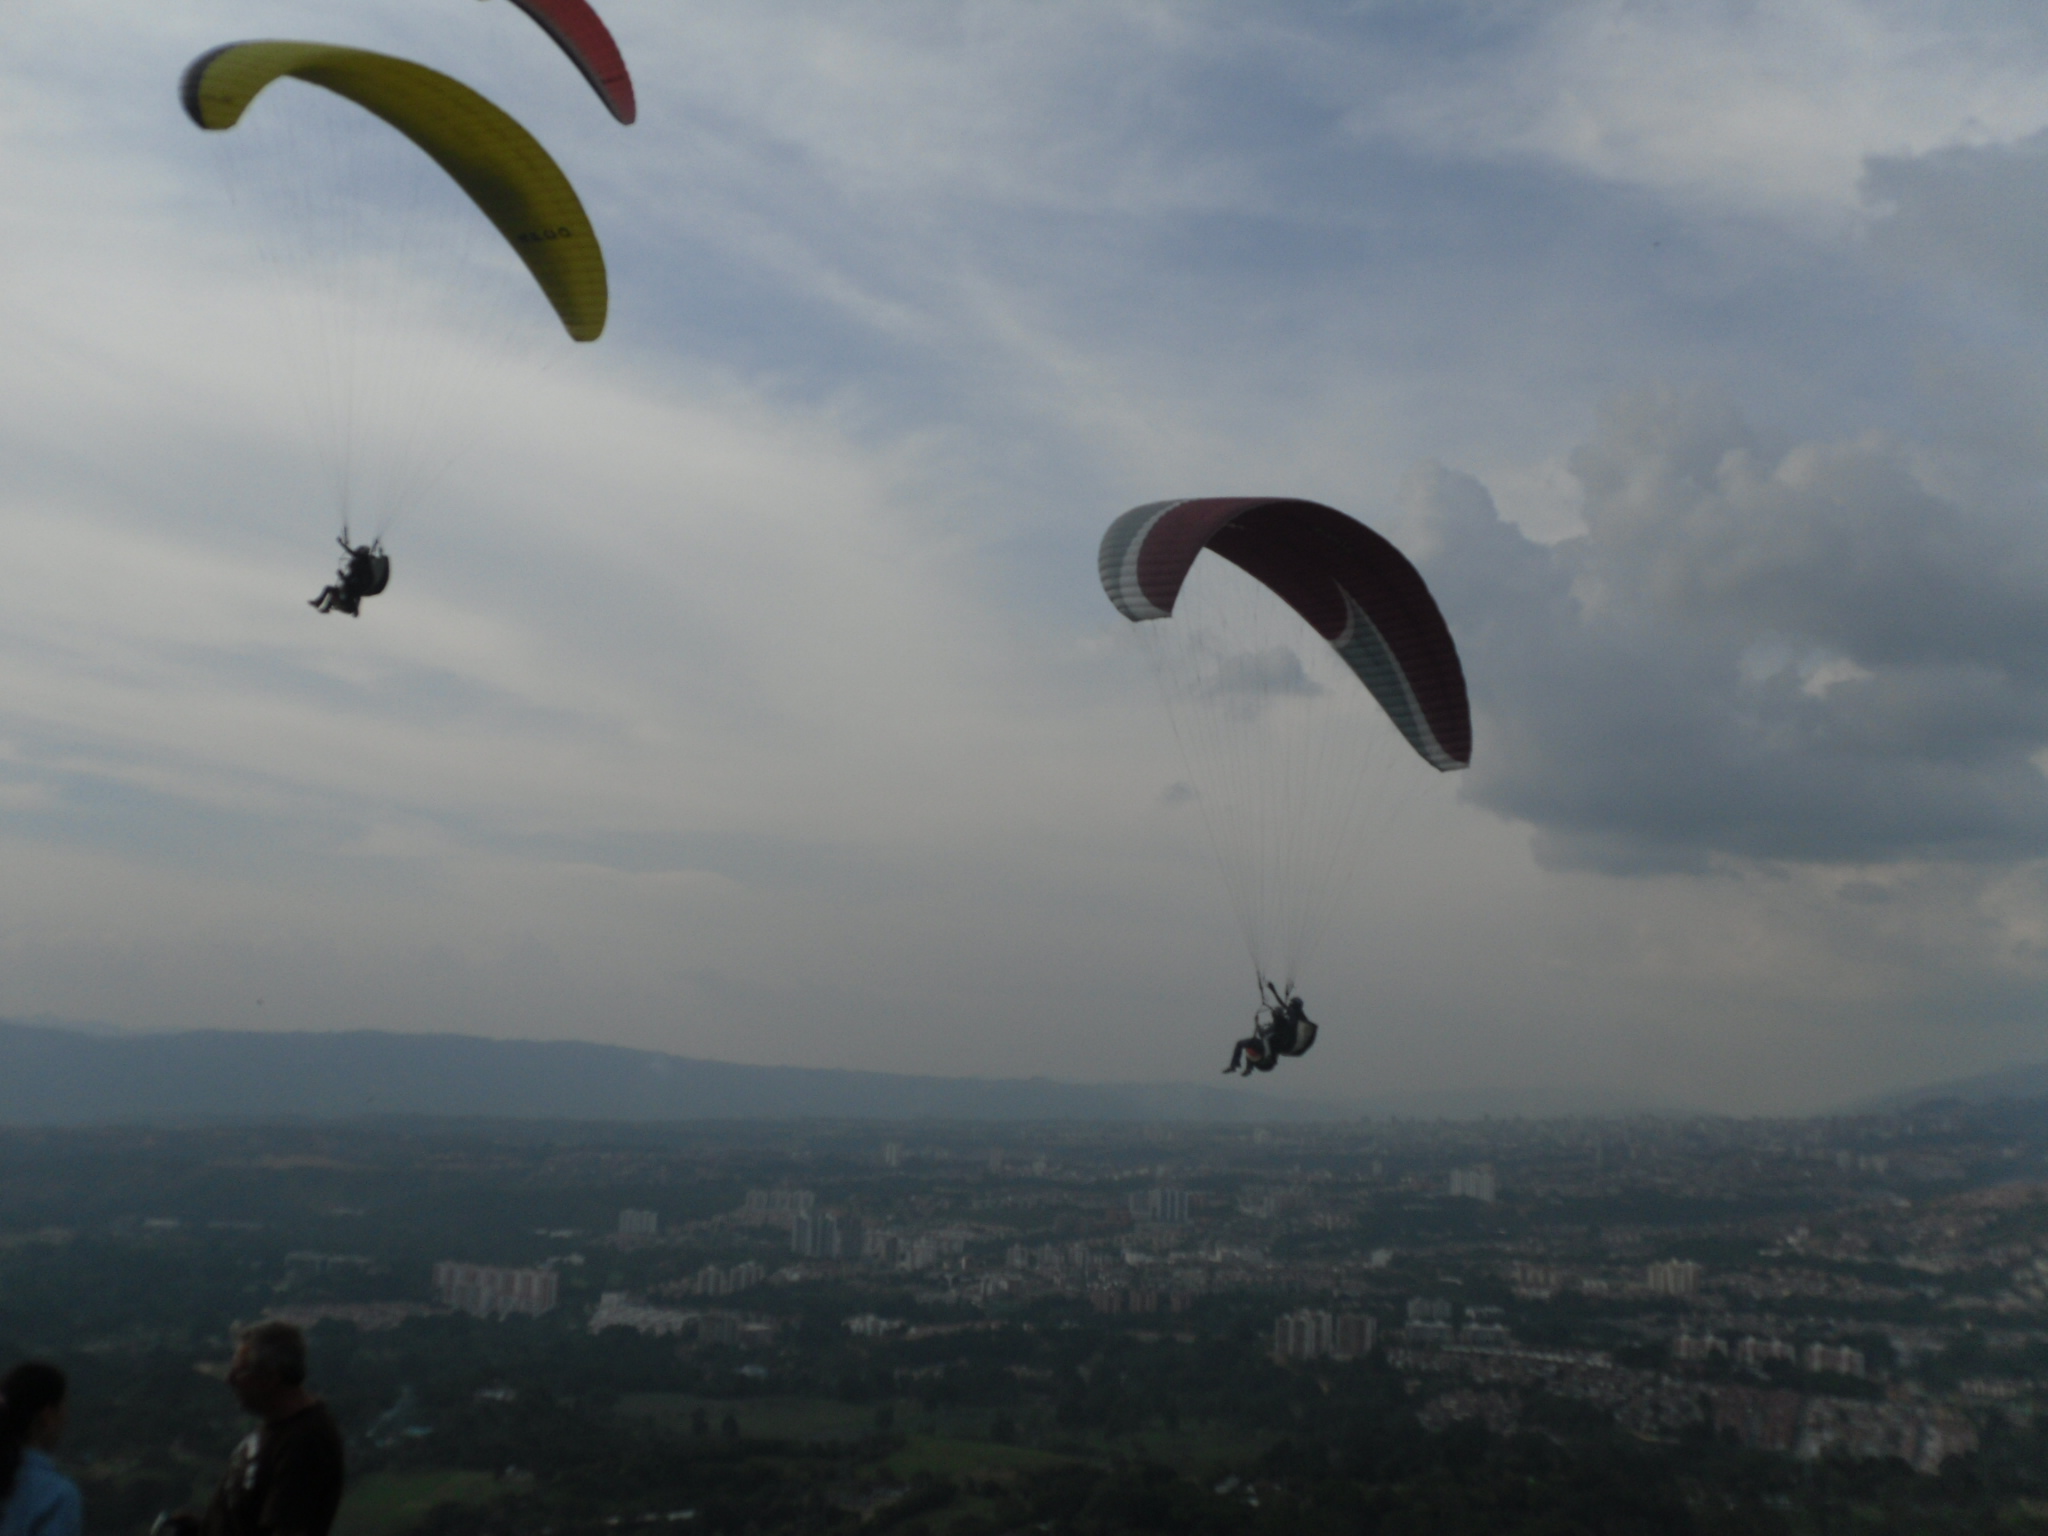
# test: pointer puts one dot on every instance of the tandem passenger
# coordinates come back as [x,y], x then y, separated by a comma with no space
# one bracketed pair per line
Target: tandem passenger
[35,1498]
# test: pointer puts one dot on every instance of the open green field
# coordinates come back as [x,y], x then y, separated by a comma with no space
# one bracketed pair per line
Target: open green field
[387,1503]
[1199,1450]
[953,1443]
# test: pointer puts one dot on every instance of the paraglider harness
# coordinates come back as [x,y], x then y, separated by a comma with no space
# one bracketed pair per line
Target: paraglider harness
[1287,1029]
[366,573]
[1279,1028]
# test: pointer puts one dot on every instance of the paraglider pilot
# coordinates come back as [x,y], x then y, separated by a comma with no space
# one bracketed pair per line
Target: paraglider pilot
[366,573]
[1282,1028]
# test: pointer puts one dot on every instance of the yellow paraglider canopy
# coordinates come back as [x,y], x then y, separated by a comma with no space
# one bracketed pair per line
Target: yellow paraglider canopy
[498,163]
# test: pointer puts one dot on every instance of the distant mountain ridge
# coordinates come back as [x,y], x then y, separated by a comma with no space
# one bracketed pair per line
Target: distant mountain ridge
[2015,1080]
[60,1076]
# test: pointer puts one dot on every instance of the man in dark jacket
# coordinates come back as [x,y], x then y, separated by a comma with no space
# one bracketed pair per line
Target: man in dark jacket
[285,1479]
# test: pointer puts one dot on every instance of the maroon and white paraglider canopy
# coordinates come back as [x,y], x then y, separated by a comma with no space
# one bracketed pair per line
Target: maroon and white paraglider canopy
[1354,588]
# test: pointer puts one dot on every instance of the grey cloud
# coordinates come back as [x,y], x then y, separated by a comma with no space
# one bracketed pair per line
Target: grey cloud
[78,793]
[758,859]
[1693,514]
[1259,674]
[1978,211]
[1769,652]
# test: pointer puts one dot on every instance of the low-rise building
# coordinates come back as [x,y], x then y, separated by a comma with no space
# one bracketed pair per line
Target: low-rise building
[1485,1328]
[484,1291]
[1839,1359]
[1429,1321]
[1701,1346]
[1355,1336]
[713,1280]
[1303,1335]
[1535,1282]
[776,1207]
[1757,1353]
[1162,1204]
[1310,1334]
[733,1330]
[821,1235]
[616,1309]
[1673,1277]
[1474,1184]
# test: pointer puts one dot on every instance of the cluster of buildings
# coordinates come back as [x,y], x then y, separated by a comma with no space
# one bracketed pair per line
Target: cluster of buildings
[368,1316]
[1673,1277]
[1312,1335]
[1821,1239]
[912,1251]
[1475,1184]
[821,1235]
[1533,1280]
[1807,1425]
[1113,1300]
[1056,1259]
[815,1233]
[1429,1326]
[1921,1435]
[720,1280]
[1759,1353]
[869,1326]
[775,1207]
[484,1291]
[617,1309]
[1171,1206]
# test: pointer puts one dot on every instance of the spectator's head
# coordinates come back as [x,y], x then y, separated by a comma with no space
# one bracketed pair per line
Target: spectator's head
[31,1415]
[268,1373]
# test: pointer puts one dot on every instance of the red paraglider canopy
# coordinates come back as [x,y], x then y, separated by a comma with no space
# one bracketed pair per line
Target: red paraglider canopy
[1354,588]
[582,36]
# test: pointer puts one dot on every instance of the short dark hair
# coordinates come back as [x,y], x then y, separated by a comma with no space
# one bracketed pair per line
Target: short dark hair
[278,1349]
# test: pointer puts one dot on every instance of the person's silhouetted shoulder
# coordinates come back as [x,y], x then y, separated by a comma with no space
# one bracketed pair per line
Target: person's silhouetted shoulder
[42,1502]
[284,1479]
[35,1498]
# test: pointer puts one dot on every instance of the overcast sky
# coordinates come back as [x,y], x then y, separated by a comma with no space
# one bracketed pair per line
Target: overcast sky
[745,688]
